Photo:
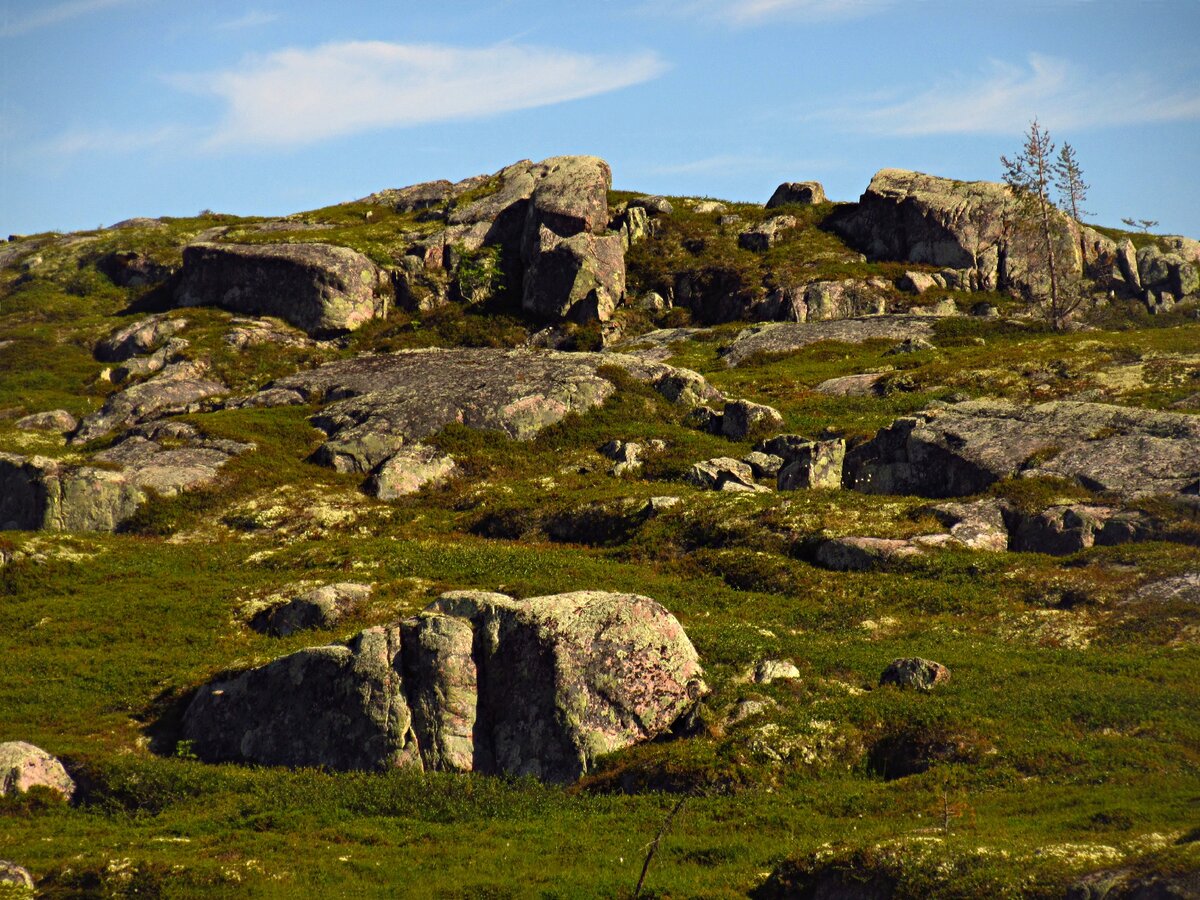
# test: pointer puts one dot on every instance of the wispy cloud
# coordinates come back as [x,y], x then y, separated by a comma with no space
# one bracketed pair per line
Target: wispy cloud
[752,12]
[1005,97]
[254,18]
[111,140]
[301,96]
[55,14]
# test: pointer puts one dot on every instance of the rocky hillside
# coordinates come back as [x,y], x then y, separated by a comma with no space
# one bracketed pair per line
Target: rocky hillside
[457,540]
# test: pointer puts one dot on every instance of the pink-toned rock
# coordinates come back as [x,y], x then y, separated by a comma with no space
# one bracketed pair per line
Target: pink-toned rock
[24,766]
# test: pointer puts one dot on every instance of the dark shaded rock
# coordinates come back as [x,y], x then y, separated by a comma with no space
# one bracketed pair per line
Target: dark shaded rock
[1130,884]
[964,448]
[141,337]
[792,881]
[178,388]
[723,474]
[980,525]
[408,470]
[322,607]
[1062,530]
[655,204]
[765,235]
[56,420]
[581,278]
[319,288]
[24,766]
[741,419]
[376,404]
[804,193]
[789,337]
[915,672]
[478,682]
[861,554]
[764,465]
[814,464]
[913,749]
[126,268]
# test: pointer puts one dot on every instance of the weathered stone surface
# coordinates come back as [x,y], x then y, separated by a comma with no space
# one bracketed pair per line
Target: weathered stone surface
[845,299]
[723,473]
[478,682]
[24,766]
[765,235]
[56,420]
[37,493]
[376,404]
[1065,529]
[917,282]
[319,288]
[143,336]
[741,418]
[1130,884]
[764,465]
[964,448]
[581,277]
[788,337]
[864,385]
[915,672]
[913,217]
[769,670]
[979,525]
[126,268]
[408,470]
[176,389]
[654,203]
[322,607]
[1128,265]
[709,207]
[627,455]
[860,554]
[805,193]
[15,881]
[1177,589]
[815,464]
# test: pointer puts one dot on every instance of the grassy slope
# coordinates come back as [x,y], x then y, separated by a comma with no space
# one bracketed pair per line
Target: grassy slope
[1074,714]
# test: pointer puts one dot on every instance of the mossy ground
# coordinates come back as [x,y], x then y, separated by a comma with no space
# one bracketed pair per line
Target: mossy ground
[1071,713]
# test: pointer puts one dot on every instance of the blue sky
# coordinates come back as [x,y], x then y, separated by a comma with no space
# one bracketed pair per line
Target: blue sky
[115,108]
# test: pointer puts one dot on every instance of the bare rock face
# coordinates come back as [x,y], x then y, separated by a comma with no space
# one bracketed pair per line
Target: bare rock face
[37,493]
[177,388]
[408,470]
[788,337]
[321,607]
[724,473]
[316,287]
[980,525]
[377,404]
[813,464]
[964,448]
[478,682]
[912,217]
[1065,529]
[142,336]
[803,193]
[24,766]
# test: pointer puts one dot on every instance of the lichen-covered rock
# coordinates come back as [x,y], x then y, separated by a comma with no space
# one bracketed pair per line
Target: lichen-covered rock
[1136,884]
[408,470]
[24,766]
[178,388]
[723,474]
[741,418]
[580,278]
[803,193]
[57,420]
[769,670]
[845,299]
[765,235]
[861,554]
[912,217]
[814,464]
[764,465]
[979,525]
[788,337]
[384,402]
[142,336]
[15,881]
[1177,589]
[322,607]
[915,672]
[962,449]
[127,268]
[1065,529]
[479,682]
[864,385]
[319,288]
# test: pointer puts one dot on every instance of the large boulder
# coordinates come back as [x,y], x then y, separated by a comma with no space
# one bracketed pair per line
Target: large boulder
[37,493]
[316,287]
[912,217]
[24,767]
[478,682]
[962,449]
[383,402]
[803,193]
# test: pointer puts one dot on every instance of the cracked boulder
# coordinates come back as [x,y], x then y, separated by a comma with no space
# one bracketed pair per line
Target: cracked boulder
[964,448]
[178,388]
[319,288]
[477,682]
[141,337]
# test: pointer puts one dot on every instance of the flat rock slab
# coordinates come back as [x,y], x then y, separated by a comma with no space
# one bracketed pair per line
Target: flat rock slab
[962,449]
[176,389]
[376,404]
[788,337]
[478,682]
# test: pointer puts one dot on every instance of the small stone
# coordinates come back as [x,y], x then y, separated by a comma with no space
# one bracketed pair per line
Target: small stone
[24,766]
[654,204]
[914,672]
[56,420]
[765,235]
[764,465]
[744,709]
[322,607]
[775,670]
[916,282]
[741,418]
[708,207]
